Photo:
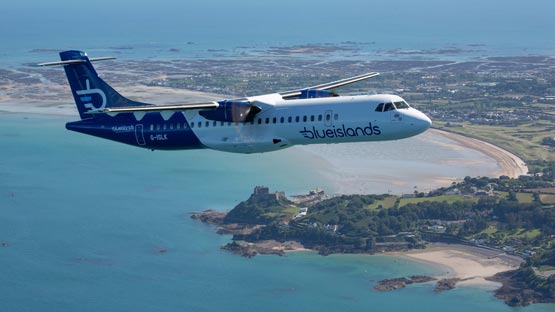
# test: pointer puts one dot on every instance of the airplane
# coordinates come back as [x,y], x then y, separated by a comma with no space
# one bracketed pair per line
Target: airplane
[257,124]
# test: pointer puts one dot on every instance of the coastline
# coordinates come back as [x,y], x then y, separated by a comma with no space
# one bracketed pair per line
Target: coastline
[470,265]
[509,164]
[458,264]
[352,166]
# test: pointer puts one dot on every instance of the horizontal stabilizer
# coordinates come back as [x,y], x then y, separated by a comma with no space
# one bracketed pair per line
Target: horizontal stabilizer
[94,59]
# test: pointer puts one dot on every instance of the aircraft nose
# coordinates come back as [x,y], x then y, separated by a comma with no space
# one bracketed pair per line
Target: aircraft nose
[421,121]
[426,121]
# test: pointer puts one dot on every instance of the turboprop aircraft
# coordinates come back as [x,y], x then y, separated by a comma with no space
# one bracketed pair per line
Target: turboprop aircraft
[257,124]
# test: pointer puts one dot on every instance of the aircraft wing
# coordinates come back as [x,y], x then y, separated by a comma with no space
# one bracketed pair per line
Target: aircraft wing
[159,108]
[214,105]
[225,111]
[331,85]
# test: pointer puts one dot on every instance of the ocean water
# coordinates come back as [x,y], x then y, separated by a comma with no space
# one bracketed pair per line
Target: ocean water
[172,29]
[92,225]
[421,163]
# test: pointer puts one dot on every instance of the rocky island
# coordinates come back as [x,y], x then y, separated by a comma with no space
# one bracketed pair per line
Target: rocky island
[272,223]
[402,282]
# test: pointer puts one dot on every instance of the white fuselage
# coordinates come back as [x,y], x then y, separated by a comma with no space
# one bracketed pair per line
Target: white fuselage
[284,123]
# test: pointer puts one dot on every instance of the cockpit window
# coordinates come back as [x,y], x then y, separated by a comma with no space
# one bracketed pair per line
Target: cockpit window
[379,108]
[388,107]
[401,105]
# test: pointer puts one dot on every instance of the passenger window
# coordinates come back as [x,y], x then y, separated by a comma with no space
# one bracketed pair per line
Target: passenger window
[282,119]
[215,123]
[319,117]
[178,125]
[379,108]
[259,120]
[158,127]
[304,118]
[289,119]
[267,120]
[171,126]
[274,120]
[164,126]
[151,127]
[192,124]
[336,117]
[297,119]
[207,124]
[200,124]
[328,117]
[311,117]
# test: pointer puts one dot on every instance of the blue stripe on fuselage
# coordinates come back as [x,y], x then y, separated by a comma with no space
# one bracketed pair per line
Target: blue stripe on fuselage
[125,128]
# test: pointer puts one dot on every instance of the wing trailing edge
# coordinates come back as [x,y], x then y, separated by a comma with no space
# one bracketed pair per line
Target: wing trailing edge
[331,85]
[159,108]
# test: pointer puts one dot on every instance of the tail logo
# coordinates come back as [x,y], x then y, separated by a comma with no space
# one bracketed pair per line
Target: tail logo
[86,97]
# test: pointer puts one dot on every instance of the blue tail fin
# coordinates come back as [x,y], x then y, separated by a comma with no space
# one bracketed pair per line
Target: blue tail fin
[90,92]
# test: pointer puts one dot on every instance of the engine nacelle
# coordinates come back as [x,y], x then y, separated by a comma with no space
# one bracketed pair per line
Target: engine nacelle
[232,111]
[311,93]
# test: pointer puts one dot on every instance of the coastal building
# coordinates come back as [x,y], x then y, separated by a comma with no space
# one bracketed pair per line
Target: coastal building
[454,191]
[313,197]
[263,192]
[331,227]
[438,228]
[508,249]
[302,212]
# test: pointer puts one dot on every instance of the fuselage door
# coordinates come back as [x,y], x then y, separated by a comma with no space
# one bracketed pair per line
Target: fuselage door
[328,121]
[139,134]
[396,116]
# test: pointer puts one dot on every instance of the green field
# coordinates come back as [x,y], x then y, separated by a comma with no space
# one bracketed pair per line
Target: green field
[525,198]
[489,231]
[442,198]
[522,233]
[522,140]
[286,212]
[548,199]
[389,201]
[504,235]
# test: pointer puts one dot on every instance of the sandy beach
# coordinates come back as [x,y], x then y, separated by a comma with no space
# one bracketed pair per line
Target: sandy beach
[509,164]
[470,264]
[430,160]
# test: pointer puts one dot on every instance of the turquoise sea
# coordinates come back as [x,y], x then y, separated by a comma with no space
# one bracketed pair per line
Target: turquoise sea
[33,31]
[91,225]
